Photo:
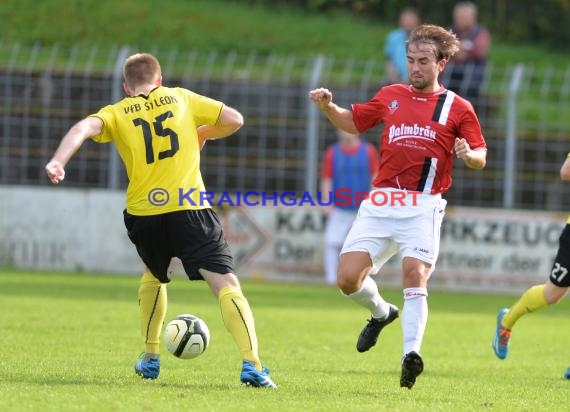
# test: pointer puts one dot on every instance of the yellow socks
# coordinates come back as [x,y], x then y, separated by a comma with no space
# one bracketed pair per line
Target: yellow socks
[152,310]
[235,309]
[238,319]
[530,301]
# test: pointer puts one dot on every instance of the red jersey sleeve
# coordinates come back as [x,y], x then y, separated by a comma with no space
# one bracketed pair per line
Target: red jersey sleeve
[326,170]
[369,115]
[373,159]
[470,129]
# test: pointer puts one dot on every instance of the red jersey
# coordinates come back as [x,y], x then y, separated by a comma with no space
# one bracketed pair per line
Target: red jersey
[417,144]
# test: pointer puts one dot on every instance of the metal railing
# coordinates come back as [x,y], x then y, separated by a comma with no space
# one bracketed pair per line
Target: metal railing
[44,90]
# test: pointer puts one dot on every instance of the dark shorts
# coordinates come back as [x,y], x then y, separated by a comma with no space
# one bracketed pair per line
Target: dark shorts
[559,274]
[194,236]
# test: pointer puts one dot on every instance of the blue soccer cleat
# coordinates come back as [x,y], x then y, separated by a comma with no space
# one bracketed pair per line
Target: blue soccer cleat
[502,336]
[567,374]
[252,377]
[148,367]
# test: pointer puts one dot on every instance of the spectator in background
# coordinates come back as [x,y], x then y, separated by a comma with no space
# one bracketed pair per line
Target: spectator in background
[395,48]
[349,165]
[539,296]
[467,71]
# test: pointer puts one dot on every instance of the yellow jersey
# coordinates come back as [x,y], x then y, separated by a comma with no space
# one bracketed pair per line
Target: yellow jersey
[157,140]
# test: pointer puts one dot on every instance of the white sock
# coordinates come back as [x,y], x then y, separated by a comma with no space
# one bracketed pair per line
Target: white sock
[331,263]
[369,297]
[414,318]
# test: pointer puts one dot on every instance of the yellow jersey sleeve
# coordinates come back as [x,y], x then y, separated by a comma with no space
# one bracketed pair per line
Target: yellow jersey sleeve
[156,138]
[207,110]
[107,117]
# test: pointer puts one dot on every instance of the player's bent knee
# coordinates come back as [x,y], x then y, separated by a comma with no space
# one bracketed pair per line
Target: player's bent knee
[347,284]
[554,293]
[217,281]
[555,297]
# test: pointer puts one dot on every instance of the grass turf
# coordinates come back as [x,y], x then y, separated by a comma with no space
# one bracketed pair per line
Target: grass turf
[70,342]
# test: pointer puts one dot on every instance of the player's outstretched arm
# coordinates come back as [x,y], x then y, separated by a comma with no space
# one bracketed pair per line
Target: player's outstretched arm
[71,142]
[230,121]
[340,117]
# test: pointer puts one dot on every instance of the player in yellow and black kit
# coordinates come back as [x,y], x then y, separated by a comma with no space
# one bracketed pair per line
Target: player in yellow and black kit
[158,132]
[538,296]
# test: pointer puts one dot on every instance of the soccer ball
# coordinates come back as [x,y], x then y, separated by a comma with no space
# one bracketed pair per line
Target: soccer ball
[186,336]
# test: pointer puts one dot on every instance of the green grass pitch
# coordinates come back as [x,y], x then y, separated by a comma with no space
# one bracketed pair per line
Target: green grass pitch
[69,342]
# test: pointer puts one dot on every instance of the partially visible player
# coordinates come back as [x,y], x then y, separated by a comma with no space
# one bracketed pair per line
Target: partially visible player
[539,296]
[158,132]
[349,165]
[425,125]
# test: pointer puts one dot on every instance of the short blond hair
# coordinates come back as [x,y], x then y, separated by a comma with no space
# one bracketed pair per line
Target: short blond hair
[445,41]
[141,68]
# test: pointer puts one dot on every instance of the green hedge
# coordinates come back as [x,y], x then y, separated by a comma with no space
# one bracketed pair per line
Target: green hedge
[544,21]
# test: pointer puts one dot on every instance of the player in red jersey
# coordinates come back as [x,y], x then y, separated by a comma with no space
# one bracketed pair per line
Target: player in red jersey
[425,126]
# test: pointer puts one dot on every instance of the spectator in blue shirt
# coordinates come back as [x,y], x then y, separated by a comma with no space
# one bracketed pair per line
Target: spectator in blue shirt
[395,48]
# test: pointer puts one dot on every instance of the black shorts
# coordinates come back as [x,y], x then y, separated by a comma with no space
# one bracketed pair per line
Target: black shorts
[194,236]
[559,274]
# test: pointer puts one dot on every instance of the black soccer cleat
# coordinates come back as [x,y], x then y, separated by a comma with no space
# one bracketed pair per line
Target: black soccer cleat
[412,367]
[369,335]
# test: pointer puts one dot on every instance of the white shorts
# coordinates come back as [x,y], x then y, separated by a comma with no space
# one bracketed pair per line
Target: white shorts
[412,228]
[339,222]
